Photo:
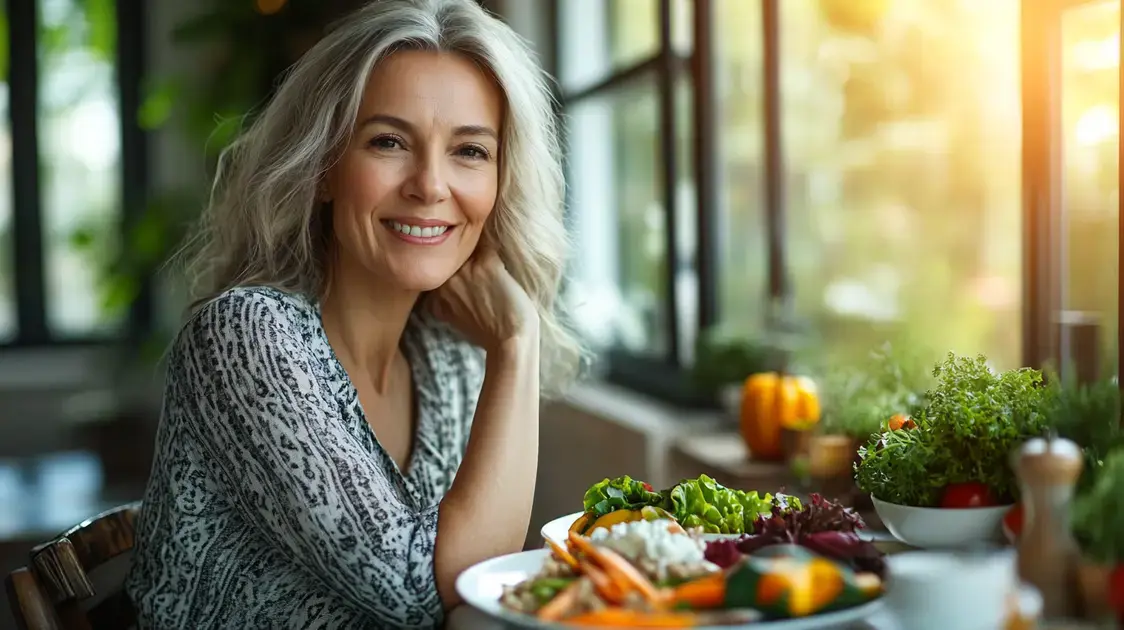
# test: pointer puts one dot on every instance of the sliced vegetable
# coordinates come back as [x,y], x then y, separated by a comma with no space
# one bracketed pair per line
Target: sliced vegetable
[967,495]
[562,554]
[583,522]
[785,581]
[626,576]
[561,603]
[612,518]
[708,591]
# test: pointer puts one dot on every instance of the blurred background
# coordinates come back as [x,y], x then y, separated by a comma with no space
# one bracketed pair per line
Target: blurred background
[834,174]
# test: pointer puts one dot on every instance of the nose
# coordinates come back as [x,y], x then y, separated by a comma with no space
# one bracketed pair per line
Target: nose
[427,184]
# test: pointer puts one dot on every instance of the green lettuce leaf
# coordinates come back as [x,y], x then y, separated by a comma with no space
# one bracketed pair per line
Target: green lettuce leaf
[705,503]
[622,493]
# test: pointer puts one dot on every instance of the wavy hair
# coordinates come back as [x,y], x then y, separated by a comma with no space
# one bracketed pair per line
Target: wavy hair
[264,226]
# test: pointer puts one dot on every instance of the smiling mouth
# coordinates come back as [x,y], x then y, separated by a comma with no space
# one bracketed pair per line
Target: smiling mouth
[422,235]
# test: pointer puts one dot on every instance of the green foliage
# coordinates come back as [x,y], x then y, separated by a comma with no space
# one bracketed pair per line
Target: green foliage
[1098,512]
[1088,414]
[858,397]
[972,419]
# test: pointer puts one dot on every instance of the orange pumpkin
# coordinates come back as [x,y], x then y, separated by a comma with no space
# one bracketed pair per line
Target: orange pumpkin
[771,402]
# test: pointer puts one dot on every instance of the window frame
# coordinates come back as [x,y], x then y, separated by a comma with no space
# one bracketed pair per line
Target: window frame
[28,251]
[1041,201]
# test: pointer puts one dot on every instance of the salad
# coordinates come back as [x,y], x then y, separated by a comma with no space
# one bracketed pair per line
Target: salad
[696,504]
[657,574]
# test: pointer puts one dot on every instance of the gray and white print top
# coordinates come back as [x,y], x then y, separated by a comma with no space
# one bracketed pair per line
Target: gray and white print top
[271,504]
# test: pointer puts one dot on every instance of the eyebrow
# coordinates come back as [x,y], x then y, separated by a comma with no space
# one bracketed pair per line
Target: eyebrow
[404,125]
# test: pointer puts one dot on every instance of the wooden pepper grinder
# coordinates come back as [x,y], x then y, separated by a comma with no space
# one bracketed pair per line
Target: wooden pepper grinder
[1048,556]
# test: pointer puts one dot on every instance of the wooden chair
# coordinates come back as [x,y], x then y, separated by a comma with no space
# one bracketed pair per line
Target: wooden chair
[56,590]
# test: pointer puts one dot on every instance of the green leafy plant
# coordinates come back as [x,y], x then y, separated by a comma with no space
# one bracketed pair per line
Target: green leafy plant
[1098,512]
[969,424]
[1089,415]
[859,397]
[726,360]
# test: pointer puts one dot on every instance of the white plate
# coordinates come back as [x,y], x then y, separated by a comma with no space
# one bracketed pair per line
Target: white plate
[558,531]
[482,585]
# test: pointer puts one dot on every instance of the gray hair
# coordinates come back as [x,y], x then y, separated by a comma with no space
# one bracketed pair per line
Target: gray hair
[264,226]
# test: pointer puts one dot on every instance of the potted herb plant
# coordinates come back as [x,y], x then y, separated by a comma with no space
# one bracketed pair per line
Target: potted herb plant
[858,399]
[947,474]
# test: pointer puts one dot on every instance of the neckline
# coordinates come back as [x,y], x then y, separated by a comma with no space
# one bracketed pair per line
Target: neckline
[420,392]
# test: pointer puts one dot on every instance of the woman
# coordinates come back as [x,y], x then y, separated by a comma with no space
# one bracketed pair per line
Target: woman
[379,264]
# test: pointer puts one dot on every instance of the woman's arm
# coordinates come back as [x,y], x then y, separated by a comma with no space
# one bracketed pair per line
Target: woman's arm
[488,508]
[241,382]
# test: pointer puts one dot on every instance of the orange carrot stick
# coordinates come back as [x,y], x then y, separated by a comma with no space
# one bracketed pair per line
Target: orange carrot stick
[562,554]
[605,587]
[557,608]
[706,592]
[627,577]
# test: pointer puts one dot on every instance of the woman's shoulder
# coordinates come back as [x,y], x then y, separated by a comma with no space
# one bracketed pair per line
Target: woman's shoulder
[254,313]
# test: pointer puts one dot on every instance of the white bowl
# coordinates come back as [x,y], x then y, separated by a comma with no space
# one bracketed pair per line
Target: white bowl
[942,528]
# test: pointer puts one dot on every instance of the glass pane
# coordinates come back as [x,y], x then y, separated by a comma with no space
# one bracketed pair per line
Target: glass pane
[1090,144]
[8,323]
[686,227]
[599,37]
[902,144]
[744,257]
[617,288]
[80,155]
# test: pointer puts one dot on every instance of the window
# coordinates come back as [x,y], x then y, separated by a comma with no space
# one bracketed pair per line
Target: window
[1090,112]
[619,76]
[64,164]
[902,174]
[881,170]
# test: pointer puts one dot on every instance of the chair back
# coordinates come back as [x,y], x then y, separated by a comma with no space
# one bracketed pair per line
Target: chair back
[56,591]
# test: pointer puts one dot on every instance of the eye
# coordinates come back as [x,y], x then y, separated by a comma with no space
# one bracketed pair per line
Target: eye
[386,142]
[474,152]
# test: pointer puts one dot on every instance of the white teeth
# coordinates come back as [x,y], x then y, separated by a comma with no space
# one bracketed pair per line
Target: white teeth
[421,232]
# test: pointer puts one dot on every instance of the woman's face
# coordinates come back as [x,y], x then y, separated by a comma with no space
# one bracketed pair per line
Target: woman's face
[419,178]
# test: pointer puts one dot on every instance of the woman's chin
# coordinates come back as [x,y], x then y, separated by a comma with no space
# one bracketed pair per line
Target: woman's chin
[420,280]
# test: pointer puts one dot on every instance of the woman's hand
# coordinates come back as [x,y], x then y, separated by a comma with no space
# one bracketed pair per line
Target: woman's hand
[485,303]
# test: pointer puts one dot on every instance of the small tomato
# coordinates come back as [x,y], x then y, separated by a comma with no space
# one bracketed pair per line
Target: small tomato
[1116,589]
[1013,520]
[970,494]
[901,421]
[648,487]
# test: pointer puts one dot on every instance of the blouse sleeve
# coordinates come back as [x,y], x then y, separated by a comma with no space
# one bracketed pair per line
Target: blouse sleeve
[248,391]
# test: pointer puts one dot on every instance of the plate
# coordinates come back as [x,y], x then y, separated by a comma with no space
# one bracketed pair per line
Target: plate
[482,585]
[558,531]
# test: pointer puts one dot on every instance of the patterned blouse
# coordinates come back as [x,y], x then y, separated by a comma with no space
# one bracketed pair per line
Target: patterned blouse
[271,504]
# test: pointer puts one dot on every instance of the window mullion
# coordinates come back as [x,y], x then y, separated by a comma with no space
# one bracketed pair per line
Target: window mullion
[707,163]
[670,176]
[27,224]
[780,291]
